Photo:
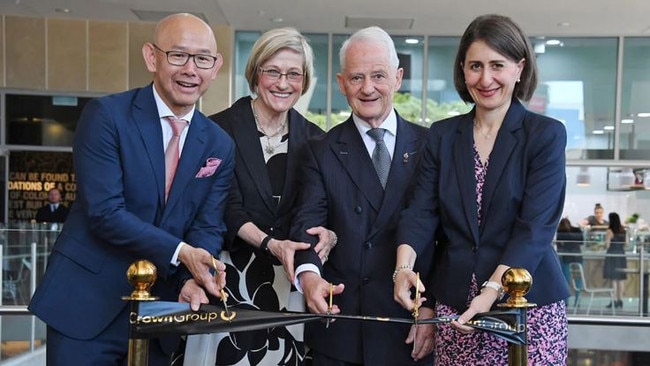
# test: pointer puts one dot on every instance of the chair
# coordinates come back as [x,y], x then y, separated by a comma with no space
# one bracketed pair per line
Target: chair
[578,274]
[14,288]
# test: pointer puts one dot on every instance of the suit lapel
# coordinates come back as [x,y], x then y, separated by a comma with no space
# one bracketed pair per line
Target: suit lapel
[504,144]
[145,117]
[351,152]
[463,153]
[250,152]
[298,134]
[401,171]
[190,160]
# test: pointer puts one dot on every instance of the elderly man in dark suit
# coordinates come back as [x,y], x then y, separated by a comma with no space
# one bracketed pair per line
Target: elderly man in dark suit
[357,179]
[146,190]
[54,211]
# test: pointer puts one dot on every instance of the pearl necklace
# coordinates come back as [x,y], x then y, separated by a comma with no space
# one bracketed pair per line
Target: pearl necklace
[269,149]
[487,136]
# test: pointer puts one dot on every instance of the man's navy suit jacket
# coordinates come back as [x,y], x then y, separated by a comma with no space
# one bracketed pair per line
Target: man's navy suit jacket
[120,214]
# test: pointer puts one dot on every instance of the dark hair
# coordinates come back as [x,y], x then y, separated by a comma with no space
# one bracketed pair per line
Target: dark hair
[615,223]
[598,205]
[504,36]
[564,225]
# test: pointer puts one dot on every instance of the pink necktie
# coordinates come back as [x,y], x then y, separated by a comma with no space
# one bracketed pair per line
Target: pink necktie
[172,153]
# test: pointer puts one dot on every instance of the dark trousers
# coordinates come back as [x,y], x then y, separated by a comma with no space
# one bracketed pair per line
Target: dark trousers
[320,359]
[109,348]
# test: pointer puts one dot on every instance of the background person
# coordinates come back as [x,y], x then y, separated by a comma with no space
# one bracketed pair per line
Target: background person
[123,212]
[344,191]
[54,211]
[270,135]
[615,241]
[597,219]
[569,240]
[494,181]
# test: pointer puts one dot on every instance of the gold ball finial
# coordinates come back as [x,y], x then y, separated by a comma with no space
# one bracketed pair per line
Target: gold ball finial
[517,282]
[142,275]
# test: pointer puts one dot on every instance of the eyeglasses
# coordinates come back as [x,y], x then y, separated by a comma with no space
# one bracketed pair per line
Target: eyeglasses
[292,76]
[179,58]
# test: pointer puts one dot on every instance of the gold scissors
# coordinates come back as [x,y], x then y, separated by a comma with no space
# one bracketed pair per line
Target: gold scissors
[416,307]
[224,296]
[329,309]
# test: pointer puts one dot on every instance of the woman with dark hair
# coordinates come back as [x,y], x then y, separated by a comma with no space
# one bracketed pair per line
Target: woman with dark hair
[494,181]
[569,240]
[615,240]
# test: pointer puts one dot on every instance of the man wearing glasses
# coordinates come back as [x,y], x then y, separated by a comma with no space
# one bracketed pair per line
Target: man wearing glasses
[152,178]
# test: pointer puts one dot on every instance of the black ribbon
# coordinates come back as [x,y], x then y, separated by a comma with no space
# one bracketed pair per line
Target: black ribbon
[154,318]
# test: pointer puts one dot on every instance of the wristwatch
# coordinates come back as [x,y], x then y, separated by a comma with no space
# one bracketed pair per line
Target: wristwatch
[495,286]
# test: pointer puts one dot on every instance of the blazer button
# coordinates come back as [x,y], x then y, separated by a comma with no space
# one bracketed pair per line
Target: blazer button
[474,249]
[367,245]
[358,209]
[365,280]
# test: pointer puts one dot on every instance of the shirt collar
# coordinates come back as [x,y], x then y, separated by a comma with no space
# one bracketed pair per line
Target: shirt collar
[390,123]
[165,111]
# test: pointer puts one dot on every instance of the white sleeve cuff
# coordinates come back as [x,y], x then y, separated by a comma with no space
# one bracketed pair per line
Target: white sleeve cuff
[174,260]
[308,267]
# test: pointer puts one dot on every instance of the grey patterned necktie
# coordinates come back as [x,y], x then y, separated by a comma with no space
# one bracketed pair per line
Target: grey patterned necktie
[380,155]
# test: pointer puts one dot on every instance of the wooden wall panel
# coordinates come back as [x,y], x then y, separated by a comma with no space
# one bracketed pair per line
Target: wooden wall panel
[108,56]
[67,59]
[25,47]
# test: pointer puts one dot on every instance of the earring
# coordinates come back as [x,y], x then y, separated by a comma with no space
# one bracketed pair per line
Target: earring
[518,80]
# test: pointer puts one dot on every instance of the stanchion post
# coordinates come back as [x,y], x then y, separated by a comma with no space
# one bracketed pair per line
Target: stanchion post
[517,282]
[142,275]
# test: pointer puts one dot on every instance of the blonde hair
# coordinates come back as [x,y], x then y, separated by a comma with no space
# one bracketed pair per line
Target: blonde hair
[271,43]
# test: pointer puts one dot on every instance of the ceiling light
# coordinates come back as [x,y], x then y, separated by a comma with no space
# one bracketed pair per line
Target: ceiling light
[598,132]
[643,114]
[411,41]
[608,128]
[627,121]
[553,42]
[62,10]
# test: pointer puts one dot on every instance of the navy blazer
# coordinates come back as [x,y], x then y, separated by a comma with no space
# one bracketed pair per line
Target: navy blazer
[250,198]
[342,192]
[120,214]
[523,199]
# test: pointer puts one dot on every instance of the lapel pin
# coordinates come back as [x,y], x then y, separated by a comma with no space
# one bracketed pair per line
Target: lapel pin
[405,157]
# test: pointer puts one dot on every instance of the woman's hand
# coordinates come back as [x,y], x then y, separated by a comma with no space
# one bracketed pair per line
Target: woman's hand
[405,278]
[480,304]
[327,240]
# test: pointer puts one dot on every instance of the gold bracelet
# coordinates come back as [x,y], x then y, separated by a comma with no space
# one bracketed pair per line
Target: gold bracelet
[399,268]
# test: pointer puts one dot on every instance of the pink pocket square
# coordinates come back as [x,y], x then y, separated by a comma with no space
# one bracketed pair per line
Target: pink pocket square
[210,167]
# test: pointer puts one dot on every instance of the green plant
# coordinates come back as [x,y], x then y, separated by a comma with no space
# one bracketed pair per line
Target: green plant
[633,218]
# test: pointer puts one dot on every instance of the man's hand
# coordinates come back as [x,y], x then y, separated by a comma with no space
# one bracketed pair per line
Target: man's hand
[327,240]
[193,294]
[316,291]
[423,338]
[284,251]
[200,262]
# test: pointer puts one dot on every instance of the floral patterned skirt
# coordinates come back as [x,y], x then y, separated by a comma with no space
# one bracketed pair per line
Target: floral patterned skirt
[547,339]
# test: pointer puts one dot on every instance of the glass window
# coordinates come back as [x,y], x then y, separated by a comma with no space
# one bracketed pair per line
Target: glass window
[313,104]
[244,42]
[42,120]
[635,100]
[578,86]
[442,99]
